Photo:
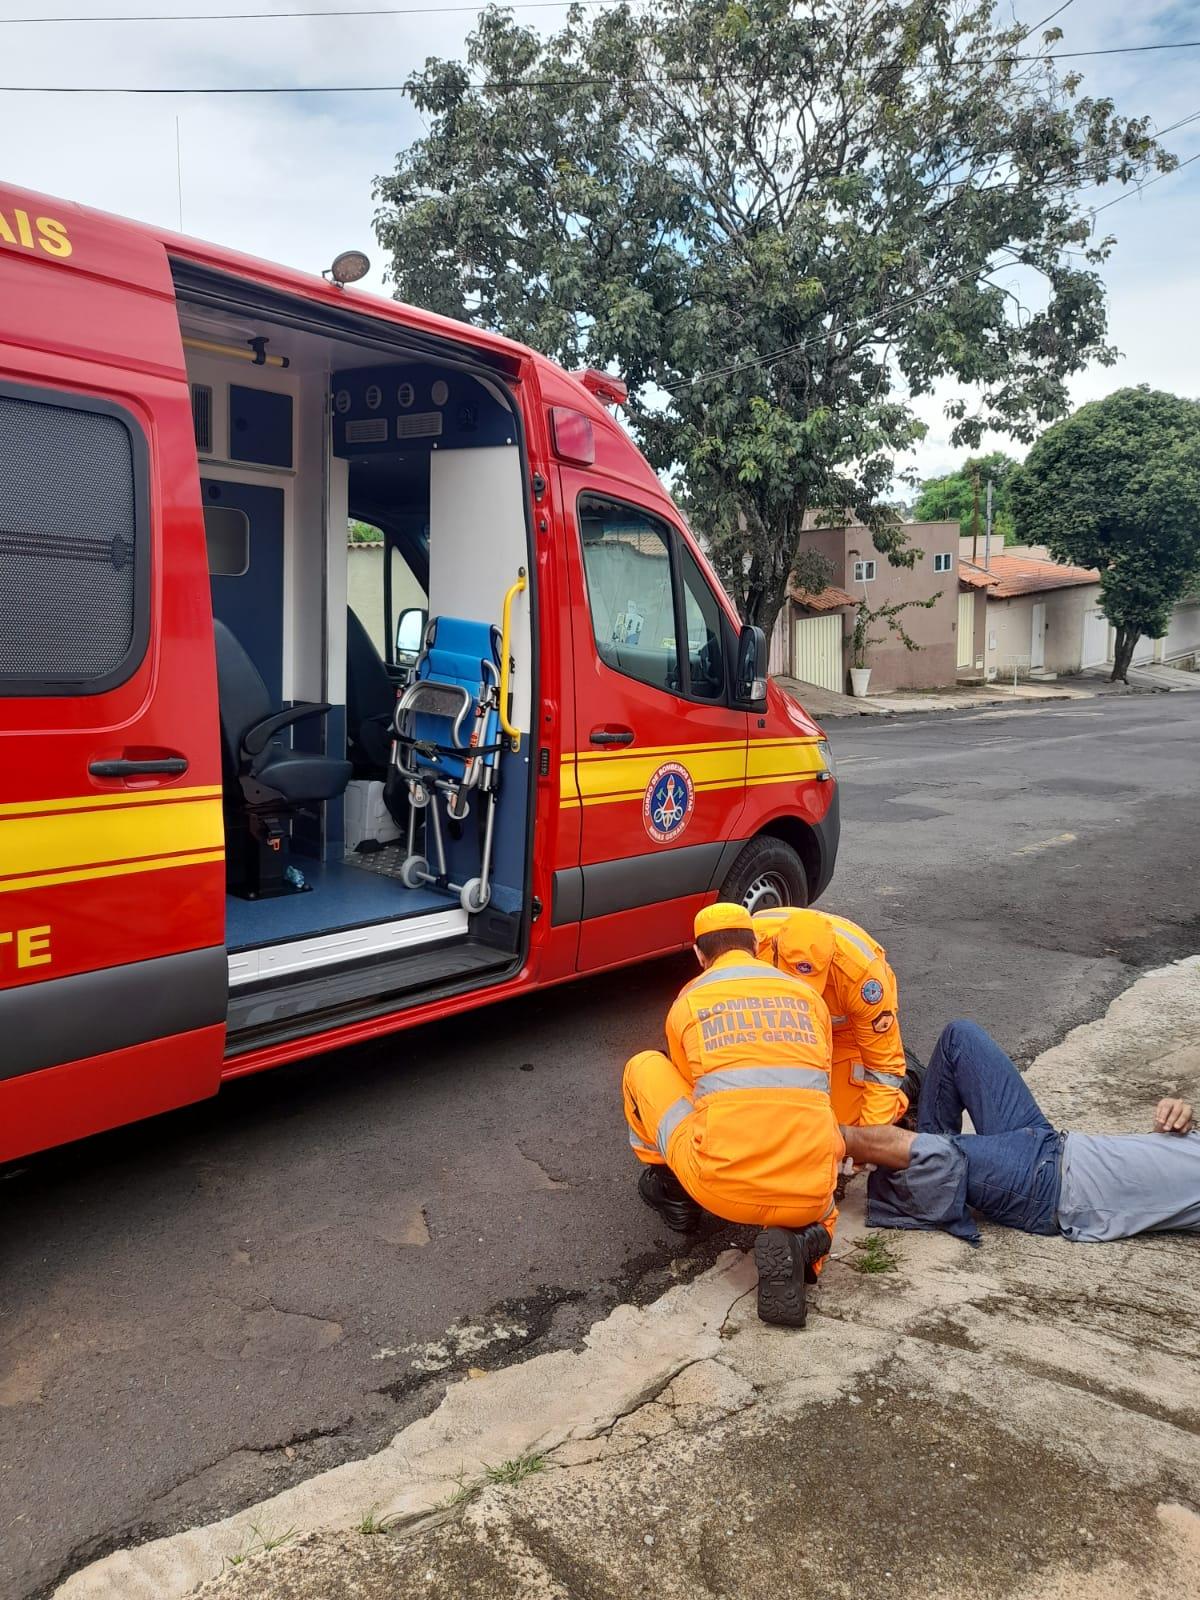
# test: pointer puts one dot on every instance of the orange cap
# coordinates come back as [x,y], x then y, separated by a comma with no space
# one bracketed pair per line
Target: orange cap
[804,946]
[722,916]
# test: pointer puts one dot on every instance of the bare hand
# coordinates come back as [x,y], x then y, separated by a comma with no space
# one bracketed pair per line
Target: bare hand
[1173,1116]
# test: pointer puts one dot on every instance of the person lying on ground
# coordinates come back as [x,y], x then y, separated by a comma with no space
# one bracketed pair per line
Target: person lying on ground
[1017,1169]
[736,1117]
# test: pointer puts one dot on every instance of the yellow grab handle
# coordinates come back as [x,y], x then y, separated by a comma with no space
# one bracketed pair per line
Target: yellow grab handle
[515,589]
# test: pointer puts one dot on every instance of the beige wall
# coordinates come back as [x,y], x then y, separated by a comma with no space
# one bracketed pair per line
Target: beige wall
[1009,629]
[934,664]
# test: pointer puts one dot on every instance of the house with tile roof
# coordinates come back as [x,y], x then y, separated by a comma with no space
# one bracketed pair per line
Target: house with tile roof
[1022,614]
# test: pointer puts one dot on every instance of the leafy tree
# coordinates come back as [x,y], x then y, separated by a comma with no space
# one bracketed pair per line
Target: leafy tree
[362,532]
[1117,486]
[780,220]
[952,498]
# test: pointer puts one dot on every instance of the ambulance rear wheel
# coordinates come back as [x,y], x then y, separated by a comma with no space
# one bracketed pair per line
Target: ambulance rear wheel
[768,873]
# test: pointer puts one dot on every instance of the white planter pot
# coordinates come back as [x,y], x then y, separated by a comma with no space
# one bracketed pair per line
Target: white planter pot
[860,678]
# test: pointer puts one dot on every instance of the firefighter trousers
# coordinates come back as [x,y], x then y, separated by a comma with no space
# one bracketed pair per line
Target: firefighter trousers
[663,1123]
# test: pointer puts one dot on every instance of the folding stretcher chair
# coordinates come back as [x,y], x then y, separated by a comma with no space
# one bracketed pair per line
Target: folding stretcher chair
[447,728]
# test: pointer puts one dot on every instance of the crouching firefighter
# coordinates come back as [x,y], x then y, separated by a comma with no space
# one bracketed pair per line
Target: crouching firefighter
[871,1083]
[736,1118]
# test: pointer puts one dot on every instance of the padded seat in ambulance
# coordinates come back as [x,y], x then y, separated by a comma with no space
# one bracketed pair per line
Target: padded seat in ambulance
[265,780]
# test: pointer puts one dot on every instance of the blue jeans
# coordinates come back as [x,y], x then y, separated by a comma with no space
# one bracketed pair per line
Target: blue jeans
[1014,1156]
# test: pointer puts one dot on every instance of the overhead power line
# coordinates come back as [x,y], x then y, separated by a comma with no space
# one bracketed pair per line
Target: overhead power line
[299,16]
[664,80]
[507,84]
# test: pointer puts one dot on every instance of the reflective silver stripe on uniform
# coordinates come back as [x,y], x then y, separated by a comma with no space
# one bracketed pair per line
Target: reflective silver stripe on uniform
[839,1022]
[852,938]
[720,1082]
[670,1120]
[862,1074]
[638,1144]
[762,973]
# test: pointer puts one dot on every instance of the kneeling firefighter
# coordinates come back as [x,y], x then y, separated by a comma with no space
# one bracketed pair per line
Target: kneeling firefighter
[871,1083]
[736,1118]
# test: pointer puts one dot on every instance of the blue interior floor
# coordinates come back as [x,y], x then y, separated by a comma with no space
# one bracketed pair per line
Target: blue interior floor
[341,897]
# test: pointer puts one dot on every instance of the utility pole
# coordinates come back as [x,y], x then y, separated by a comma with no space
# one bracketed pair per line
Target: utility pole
[987,539]
[975,515]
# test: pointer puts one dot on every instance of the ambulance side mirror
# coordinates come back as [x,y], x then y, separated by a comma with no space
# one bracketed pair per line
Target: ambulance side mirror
[751,680]
[410,634]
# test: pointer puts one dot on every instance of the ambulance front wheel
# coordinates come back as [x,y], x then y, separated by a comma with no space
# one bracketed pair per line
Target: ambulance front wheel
[768,873]
[474,895]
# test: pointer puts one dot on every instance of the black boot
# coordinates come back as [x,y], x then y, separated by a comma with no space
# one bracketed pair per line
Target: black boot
[785,1262]
[660,1188]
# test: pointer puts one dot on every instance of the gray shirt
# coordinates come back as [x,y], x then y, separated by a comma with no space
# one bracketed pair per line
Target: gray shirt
[1118,1184]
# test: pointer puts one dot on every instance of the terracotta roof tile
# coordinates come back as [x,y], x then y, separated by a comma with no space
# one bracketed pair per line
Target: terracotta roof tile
[975,577]
[827,600]
[1017,575]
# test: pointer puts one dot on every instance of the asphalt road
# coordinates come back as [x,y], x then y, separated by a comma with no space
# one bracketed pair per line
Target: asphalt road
[199,1310]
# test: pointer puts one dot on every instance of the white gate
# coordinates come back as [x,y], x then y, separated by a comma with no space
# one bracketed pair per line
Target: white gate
[1097,639]
[966,629]
[817,652]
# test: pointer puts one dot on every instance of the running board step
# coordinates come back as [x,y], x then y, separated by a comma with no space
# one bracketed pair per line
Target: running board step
[373,988]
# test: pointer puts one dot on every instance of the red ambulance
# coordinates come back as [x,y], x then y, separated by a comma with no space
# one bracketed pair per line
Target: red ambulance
[254,806]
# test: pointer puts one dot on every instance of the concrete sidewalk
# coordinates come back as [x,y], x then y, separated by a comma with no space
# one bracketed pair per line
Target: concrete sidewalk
[1017,1421]
[826,705]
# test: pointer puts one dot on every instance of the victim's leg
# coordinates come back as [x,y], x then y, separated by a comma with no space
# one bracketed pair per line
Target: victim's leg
[969,1072]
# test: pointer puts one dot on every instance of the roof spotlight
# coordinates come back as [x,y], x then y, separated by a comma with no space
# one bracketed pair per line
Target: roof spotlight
[349,267]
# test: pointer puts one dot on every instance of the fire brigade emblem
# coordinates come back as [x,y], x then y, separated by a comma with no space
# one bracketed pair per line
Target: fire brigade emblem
[872,991]
[667,807]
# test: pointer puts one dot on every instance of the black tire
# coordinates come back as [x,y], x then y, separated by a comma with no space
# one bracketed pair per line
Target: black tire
[766,874]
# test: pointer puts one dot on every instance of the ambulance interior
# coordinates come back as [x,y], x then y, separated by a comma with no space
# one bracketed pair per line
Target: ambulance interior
[367,545]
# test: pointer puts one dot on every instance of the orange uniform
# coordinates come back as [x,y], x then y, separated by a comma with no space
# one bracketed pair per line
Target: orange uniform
[851,970]
[740,1108]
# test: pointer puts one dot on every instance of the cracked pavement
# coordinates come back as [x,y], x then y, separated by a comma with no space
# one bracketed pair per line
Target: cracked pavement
[200,1311]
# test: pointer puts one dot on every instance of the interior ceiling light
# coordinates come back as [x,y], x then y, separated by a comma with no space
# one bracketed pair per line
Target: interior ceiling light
[349,267]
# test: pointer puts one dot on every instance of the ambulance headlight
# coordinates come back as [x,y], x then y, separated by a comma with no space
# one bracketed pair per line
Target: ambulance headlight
[825,751]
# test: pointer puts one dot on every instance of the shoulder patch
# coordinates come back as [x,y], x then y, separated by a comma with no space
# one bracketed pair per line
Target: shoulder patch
[883,1021]
[872,991]
[804,966]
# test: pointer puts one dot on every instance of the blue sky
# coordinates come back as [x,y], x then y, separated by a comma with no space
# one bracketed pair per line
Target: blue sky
[290,177]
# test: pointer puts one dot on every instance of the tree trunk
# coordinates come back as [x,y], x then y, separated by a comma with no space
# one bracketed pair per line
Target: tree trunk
[764,612]
[1127,639]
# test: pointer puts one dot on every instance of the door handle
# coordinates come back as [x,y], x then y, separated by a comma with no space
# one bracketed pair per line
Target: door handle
[611,735]
[168,766]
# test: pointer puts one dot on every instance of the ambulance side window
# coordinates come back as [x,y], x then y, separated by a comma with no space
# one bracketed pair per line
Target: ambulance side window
[627,560]
[654,616]
[74,558]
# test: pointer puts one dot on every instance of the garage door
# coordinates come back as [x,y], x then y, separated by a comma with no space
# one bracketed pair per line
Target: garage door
[817,652]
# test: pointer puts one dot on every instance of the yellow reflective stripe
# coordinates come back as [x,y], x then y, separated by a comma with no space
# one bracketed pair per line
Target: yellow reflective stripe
[119,869]
[58,842]
[768,763]
[102,802]
[600,777]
